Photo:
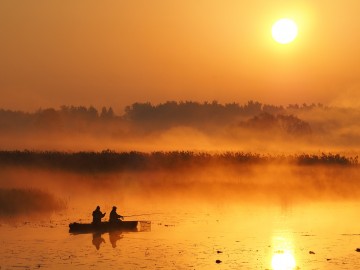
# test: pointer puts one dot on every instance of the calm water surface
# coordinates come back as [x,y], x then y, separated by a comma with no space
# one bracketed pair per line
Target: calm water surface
[208,236]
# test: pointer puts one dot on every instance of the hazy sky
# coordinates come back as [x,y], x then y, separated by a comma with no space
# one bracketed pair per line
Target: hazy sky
[114,53]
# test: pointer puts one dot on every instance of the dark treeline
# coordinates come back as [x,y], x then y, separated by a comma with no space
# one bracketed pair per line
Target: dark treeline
[146,116]
[287,123]
[203,115]
[110,161]
[178,125]
[66,118]
[188,111]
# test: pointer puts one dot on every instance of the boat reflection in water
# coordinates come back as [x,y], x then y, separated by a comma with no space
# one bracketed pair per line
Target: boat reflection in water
[97,240]
[283,258]
[114,237]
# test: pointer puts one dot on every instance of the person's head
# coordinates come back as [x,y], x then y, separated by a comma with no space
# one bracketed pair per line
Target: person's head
[114,208]
[97,207]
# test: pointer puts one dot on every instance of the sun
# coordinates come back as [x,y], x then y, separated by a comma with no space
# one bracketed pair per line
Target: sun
[284,31]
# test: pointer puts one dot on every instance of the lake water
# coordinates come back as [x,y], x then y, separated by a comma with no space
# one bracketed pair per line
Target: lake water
[278,218]
[311,235]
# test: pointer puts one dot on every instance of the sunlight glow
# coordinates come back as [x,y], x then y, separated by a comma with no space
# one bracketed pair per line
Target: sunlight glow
[284,31]
[283,261]
[283,258]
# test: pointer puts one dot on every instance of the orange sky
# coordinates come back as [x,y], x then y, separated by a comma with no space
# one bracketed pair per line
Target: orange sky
[114,53]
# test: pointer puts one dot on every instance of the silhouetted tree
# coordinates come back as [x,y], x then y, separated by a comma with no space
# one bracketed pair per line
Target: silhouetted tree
[107,114]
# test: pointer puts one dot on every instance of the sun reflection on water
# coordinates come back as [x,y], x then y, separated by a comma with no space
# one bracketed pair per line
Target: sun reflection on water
[283,261]
[283,258]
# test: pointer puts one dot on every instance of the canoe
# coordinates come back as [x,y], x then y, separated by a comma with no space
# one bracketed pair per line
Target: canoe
[103,227]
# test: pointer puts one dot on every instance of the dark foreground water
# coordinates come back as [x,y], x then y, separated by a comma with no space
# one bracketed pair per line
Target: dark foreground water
[323,235]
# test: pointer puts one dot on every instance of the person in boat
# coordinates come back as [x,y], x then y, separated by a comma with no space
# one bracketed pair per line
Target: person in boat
[97,215]
[115,217]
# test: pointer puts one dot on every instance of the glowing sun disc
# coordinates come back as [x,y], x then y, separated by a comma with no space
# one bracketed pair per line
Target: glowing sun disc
[284,31]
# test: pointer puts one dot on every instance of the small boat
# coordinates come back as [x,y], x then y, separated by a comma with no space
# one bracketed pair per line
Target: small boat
[103,227]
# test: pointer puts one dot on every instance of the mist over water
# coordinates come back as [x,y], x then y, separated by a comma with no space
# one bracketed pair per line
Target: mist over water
[174,183]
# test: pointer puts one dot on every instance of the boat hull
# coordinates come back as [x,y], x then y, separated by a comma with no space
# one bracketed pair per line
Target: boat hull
[103,227]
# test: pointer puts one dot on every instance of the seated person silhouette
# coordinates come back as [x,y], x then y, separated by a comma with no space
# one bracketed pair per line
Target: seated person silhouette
[115,217]
[97,216]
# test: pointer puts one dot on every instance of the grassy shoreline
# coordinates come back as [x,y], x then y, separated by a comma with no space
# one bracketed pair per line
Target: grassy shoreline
[111,161]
